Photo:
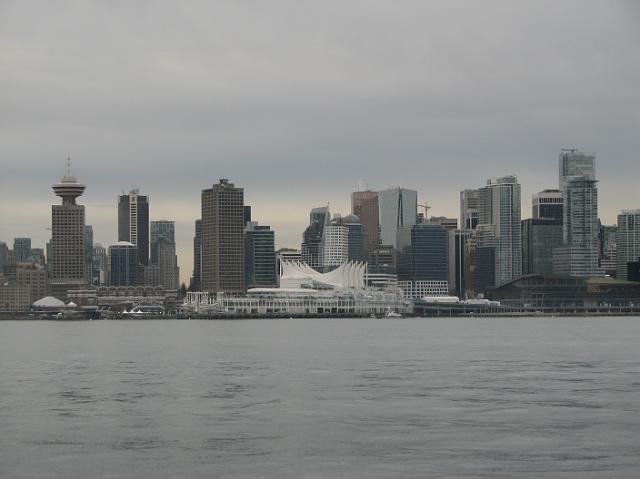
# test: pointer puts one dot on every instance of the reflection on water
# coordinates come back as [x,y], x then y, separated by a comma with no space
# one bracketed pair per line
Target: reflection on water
[321,398]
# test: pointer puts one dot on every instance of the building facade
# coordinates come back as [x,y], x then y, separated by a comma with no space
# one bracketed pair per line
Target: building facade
[123,257]
[398,208]
[627,241]
[133,222]
[67,245]
[539,238]
[547,204]
[260,256]
[222,239]
[364,204]
[499,222]
[469,209]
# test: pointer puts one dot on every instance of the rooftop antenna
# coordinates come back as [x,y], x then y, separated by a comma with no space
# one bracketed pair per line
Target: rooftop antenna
[68,165]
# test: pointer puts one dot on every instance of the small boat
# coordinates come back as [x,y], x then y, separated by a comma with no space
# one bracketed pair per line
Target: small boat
[392,314]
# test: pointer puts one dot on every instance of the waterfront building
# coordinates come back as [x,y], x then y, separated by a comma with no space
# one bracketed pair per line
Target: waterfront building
[123,256]
[259,256]
[539,238]
[364,204]
[627,241]
[222,239]
[4,257]
[547,204]
[579,254]
[160,229]
[32,277]
[67,258]
[423,260]
[469,209]
[196,282]
[499,230]
[21,249]
[133,222]
[398,208]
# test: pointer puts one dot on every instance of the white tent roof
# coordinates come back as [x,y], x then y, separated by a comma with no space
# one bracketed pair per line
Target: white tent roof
[49,302]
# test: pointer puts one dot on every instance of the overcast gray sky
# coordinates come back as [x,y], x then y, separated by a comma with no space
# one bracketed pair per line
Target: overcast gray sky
[302,101]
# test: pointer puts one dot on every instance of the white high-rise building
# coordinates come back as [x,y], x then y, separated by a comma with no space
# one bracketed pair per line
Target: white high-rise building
[499,221]
[334,248]
[398,208]
[579,254]
[627,241]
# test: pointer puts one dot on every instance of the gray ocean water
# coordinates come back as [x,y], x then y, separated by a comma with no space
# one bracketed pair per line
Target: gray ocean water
[321,398]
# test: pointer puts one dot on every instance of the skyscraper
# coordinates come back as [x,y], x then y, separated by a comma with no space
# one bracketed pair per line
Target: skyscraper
[161,229]
[539,238]
[260,256]
[469,204]
[123,256]
[398,208]
[197,257]
[133,223]
[335,244]
[222,239]
[499,229]
[167,262]
[364,204]
[88,252]
[547,204]
[358,243]
[21,249]
[627,241]
[579,254]
[312,237]
[423,260]
[68,263]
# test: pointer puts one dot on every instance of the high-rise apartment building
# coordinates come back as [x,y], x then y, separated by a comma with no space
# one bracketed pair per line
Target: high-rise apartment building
[579,254]
[123,257]
[4,256]
[133,222]
[100,265]
[196,283]
[608,249]
[364,204]
[222,239]
[260,256]
[67,263]
[547,204]
[627,241]
[88,252]
[499,235]
[469,209]
[398,209]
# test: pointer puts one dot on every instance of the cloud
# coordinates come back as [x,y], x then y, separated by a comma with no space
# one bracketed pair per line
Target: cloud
[297,101]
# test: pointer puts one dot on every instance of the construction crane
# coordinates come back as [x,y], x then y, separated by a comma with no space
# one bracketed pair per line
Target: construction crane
[426,208]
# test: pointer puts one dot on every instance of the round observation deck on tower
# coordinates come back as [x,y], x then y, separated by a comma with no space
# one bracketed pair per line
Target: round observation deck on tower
[69,188]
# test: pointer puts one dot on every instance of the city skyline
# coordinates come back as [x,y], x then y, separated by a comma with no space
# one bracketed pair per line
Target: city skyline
[300,104]
[293,239]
